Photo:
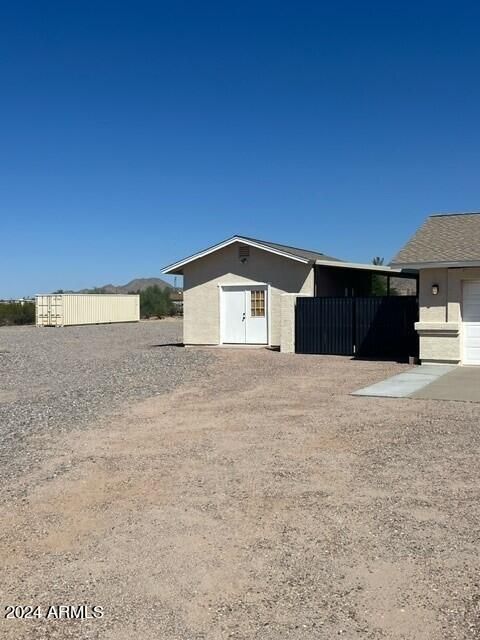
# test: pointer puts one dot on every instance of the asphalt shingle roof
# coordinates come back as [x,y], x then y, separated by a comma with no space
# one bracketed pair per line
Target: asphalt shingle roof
[294,252]
[443,238]
[301,253]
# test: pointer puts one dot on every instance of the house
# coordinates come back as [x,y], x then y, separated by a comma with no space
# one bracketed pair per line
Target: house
[243,290]
[446,251]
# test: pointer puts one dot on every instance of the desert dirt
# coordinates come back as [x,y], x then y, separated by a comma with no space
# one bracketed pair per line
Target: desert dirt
[261,501]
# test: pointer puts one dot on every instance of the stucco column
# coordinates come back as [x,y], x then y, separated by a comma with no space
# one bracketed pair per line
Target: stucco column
[287,321]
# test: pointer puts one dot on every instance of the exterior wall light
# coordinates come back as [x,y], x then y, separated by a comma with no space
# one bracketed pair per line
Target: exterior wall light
[435,289]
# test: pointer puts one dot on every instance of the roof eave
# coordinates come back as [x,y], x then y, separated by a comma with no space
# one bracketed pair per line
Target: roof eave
[385,269]
[449,264]
[172,272]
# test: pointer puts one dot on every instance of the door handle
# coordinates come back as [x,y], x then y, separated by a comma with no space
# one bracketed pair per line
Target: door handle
[243,316]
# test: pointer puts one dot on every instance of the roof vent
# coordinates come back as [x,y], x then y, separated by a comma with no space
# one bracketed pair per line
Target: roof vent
[243,251]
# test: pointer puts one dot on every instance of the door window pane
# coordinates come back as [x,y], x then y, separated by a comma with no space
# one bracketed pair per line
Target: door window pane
[257,308]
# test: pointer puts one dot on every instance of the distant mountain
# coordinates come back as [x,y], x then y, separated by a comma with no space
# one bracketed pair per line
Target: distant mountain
[138,284]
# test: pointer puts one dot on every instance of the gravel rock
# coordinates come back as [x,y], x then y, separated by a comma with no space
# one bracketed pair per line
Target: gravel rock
[267,504]
[53,380]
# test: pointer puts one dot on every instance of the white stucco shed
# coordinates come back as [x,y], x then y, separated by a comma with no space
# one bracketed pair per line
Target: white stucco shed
[242,291]
[233,290]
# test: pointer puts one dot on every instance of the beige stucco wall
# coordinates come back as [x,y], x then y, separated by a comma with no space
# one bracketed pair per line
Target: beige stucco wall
[201,298]
[287,321]
[433,308]
[440,326]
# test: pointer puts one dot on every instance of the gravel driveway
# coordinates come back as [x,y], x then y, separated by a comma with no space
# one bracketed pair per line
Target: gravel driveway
[258,501]
[52,380]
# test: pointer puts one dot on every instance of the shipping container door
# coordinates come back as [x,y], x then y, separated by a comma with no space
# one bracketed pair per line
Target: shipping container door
[54,311]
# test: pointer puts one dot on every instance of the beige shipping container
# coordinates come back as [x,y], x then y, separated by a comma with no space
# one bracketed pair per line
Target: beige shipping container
[66,309]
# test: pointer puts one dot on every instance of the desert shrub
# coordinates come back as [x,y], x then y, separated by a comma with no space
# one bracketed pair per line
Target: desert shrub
[156,302]
[17,313]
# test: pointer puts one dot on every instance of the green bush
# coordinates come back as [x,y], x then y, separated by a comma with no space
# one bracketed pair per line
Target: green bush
[155,302]
[17,313]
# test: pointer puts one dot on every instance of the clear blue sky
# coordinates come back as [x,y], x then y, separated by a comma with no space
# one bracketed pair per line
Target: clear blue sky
[135,133]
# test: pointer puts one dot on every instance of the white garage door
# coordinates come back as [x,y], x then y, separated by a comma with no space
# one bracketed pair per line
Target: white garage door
[471,322]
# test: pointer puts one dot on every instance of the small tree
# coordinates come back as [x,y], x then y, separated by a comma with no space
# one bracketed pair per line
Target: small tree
[379,283]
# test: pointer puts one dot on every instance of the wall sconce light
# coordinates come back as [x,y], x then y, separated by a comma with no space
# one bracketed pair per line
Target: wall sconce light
[435,289]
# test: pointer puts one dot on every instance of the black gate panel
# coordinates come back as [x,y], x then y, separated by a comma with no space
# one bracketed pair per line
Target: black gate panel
[381,327]
[324,325]
[384,327]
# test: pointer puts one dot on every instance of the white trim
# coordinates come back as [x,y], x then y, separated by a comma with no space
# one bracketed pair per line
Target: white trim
[358,265]
[464,360]
[437,265]
[269,318]
[220,312]
[176,265]
[244,285]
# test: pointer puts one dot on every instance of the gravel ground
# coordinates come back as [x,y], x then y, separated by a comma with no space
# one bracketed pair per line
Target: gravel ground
[258,501]
[52,380]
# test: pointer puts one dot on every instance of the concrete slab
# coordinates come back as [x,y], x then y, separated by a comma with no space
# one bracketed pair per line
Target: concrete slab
[406,384]
[432,369]
[462,384]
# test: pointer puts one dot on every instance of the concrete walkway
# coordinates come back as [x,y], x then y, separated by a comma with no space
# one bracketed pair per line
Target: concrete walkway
[405,385]
[463,383]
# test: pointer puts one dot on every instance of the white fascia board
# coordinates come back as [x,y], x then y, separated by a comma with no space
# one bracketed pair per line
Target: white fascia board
[245,284]
[181,263]
[437,265]
[357,265]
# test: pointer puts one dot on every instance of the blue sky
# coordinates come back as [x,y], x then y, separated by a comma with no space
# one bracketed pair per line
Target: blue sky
[135,133]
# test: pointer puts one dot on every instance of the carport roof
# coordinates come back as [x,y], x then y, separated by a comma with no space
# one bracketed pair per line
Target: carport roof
[293,253]
[443,240]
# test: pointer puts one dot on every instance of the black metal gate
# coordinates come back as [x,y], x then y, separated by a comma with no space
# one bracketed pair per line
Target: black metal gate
[380,327]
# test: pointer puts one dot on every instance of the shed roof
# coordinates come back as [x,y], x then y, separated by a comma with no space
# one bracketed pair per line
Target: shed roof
[308,254]
[293,253]
[448,239]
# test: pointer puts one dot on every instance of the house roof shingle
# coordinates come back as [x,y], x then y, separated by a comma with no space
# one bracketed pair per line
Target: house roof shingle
[443,238]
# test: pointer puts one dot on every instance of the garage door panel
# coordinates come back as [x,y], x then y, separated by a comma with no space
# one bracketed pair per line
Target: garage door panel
[471,322]
[474,357]
[473,341]
[471,313]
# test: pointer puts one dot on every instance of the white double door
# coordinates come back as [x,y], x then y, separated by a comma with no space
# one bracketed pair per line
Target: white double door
[471,322]
[244,315]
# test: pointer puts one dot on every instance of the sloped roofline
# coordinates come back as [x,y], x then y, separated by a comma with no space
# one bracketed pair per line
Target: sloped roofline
[445,264]
[174,267]
[454,213]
